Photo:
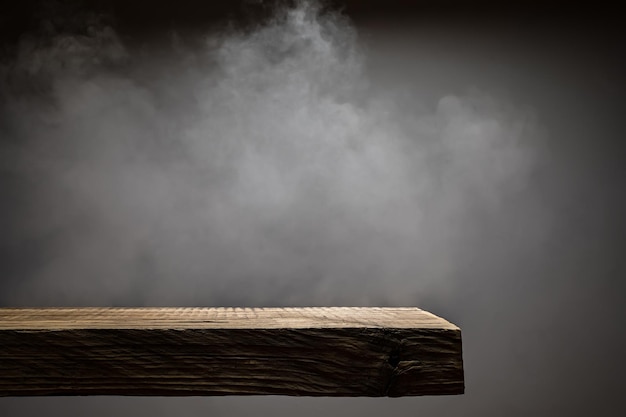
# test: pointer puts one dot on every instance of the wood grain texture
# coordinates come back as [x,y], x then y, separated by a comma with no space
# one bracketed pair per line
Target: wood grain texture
[228,351]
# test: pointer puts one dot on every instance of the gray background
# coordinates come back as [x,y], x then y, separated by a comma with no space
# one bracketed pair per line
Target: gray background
[466,160]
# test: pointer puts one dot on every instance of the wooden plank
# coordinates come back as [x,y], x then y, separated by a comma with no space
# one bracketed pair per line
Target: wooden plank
[228,351]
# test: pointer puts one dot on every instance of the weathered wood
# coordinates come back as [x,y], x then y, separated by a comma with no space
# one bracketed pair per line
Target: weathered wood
[228,351]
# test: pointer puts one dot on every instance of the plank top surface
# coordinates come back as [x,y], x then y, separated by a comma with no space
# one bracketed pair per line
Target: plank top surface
[219,318]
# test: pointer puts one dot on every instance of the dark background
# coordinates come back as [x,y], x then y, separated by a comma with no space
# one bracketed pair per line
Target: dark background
[542,312]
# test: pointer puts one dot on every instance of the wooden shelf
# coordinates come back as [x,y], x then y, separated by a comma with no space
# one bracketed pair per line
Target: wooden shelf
[340,351]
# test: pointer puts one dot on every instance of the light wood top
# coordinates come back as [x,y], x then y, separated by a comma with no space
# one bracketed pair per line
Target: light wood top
[218,318]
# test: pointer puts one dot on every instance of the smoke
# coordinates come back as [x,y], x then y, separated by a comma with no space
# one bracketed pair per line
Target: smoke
[256,166]
[310,159]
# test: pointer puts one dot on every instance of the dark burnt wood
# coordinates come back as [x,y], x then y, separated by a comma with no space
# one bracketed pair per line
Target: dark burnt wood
[219,351]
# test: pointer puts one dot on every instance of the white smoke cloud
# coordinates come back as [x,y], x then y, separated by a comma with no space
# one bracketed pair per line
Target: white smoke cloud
[260,168]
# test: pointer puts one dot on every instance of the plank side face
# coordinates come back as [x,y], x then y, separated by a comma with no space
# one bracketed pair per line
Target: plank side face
[219,351]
